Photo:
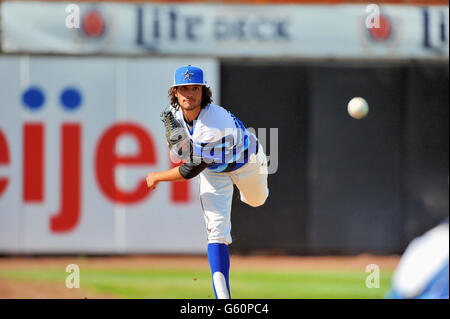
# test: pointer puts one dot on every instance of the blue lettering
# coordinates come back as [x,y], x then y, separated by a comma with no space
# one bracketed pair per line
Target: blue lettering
[239,29]
[281,30]
[260,30]
[443,28]
[426,36]
[139,35]
[190,24]
[220,29]
[173,24]
[438,45]
[156,23]
[257,30]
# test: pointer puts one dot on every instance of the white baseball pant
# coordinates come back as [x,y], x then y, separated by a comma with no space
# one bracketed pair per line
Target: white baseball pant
[216,194]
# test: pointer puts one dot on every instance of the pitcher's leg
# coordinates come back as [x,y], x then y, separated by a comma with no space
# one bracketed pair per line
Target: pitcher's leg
[252,181]
[216,193]
[219,262]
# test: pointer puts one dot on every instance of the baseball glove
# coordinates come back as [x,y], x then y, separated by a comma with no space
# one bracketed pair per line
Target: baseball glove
[177,139]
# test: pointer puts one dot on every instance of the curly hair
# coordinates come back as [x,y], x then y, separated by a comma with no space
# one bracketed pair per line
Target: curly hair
[206,97]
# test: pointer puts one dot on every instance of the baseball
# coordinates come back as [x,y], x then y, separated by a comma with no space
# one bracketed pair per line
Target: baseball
[358,108]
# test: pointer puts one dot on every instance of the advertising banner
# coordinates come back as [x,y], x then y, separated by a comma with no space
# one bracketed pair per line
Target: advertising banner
[220,30]
[77,139]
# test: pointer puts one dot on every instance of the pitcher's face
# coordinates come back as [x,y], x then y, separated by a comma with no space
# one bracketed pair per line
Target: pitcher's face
[189,96]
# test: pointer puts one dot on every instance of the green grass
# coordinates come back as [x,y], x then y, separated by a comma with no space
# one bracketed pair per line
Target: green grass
[196,284]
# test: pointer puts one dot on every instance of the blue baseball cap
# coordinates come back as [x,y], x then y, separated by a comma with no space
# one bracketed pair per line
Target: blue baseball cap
[188,75]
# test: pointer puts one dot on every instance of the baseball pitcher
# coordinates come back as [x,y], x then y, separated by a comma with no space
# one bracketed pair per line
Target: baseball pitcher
[215,145]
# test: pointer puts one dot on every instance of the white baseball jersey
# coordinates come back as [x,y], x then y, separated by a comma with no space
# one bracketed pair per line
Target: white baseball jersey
[219,137]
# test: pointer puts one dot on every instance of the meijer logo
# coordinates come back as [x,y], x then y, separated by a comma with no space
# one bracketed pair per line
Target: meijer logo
[105,160]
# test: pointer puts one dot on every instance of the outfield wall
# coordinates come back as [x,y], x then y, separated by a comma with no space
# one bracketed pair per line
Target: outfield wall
[72,170]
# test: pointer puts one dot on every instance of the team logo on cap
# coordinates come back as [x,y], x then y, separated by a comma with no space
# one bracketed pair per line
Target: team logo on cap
[187,75]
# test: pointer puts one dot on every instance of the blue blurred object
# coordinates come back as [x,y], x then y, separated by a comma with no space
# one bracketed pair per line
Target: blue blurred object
[423,271]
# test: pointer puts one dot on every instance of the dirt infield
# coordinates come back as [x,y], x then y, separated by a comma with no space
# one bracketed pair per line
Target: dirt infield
[10,288]
[15,289]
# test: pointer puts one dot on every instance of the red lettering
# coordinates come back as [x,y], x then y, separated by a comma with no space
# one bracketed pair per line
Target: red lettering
[4,159]
[68,215]
[179,190]
[33,162]
[106,160]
